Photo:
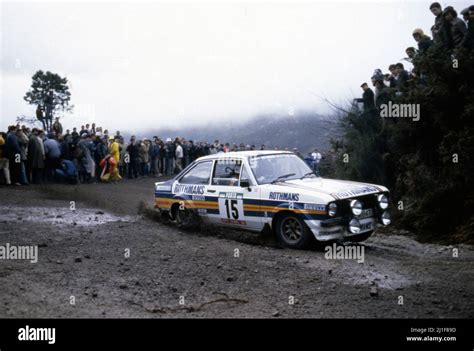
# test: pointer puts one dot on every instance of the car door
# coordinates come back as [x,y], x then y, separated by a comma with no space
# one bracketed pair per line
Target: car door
[236,195]
[191,188]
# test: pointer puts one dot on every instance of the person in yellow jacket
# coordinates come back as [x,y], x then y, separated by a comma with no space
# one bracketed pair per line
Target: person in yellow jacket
[114,149]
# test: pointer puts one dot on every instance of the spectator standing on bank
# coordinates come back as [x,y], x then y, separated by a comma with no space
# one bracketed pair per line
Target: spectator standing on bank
[36,157]
[101,150]
[13,153]
[144,157]
[458,27]
[440,31]
[155,157]
[179,155]
[368,97]
[23,142]
[169,156]
[133,150]
[114,148]
[317,159]
[4,162]
[424,41]
[469,39]
[57,127]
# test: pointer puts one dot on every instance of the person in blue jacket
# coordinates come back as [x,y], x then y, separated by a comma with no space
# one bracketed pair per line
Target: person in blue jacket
[67,173]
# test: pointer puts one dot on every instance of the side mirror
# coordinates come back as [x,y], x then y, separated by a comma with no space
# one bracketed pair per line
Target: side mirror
[245,183]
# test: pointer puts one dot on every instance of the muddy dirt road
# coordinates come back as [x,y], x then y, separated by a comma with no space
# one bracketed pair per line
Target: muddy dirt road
[106,260]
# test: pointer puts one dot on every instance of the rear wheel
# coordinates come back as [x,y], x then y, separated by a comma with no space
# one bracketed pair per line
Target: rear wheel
[185,218]
[293,232]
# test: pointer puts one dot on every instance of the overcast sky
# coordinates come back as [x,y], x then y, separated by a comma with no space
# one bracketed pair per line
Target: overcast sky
[136,65]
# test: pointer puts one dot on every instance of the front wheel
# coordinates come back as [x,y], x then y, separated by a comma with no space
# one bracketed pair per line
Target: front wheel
[293,232]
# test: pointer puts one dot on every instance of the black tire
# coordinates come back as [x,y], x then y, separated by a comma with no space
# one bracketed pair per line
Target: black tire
[165,217]
[293,232]
[360,237]
[186,219]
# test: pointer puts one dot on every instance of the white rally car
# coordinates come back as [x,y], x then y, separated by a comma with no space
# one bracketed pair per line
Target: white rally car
[254,190]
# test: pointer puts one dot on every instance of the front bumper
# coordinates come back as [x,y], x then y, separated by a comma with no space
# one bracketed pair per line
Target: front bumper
[338,228]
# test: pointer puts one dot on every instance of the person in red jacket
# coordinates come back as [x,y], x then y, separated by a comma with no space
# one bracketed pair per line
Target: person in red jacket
[109,169]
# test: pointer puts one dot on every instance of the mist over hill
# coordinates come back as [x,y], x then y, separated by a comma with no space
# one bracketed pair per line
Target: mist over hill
[304,131]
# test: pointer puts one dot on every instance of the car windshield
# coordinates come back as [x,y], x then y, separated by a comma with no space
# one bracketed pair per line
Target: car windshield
[267,169]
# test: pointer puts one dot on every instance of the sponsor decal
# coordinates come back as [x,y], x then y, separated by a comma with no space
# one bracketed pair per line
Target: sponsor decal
[356,191]
[339,231]
[198,198]
[233,221]
[314,207]
[163,188]
[284,196]
[237,196]
[188,189]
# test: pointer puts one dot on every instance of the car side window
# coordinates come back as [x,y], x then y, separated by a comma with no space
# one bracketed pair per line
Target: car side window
[227,172]
[244,176]
[199,174]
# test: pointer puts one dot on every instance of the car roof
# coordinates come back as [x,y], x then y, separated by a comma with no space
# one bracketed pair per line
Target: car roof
[240,154]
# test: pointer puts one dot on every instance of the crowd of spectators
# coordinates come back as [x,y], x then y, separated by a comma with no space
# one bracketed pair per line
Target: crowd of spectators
[91,154]
[449,33]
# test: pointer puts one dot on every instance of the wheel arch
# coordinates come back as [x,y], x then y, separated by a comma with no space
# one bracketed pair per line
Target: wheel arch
[175,206]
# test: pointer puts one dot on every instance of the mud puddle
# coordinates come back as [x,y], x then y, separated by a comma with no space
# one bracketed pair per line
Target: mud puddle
[60,216]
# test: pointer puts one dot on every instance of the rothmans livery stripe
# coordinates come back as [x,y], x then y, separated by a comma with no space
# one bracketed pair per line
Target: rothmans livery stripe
[166,203]
[251,207]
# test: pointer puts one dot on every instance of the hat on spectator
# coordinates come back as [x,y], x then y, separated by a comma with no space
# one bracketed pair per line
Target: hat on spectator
[418,31]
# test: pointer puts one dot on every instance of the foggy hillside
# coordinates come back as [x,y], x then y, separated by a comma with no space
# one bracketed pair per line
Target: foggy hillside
[303,131]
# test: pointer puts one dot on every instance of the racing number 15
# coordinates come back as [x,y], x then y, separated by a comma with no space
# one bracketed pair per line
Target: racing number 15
[231,208]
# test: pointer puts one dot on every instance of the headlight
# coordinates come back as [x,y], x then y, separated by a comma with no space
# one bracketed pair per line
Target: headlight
[356,207]
[385,218]
[383,201]
[332,209]
[354,226]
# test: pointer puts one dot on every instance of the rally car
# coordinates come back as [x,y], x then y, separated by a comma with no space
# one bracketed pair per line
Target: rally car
[272,190]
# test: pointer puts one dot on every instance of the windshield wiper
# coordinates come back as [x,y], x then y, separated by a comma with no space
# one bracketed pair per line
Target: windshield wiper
[307,174]
[282,177]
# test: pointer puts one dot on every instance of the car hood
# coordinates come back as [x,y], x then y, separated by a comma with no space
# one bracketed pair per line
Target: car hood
[337,189]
